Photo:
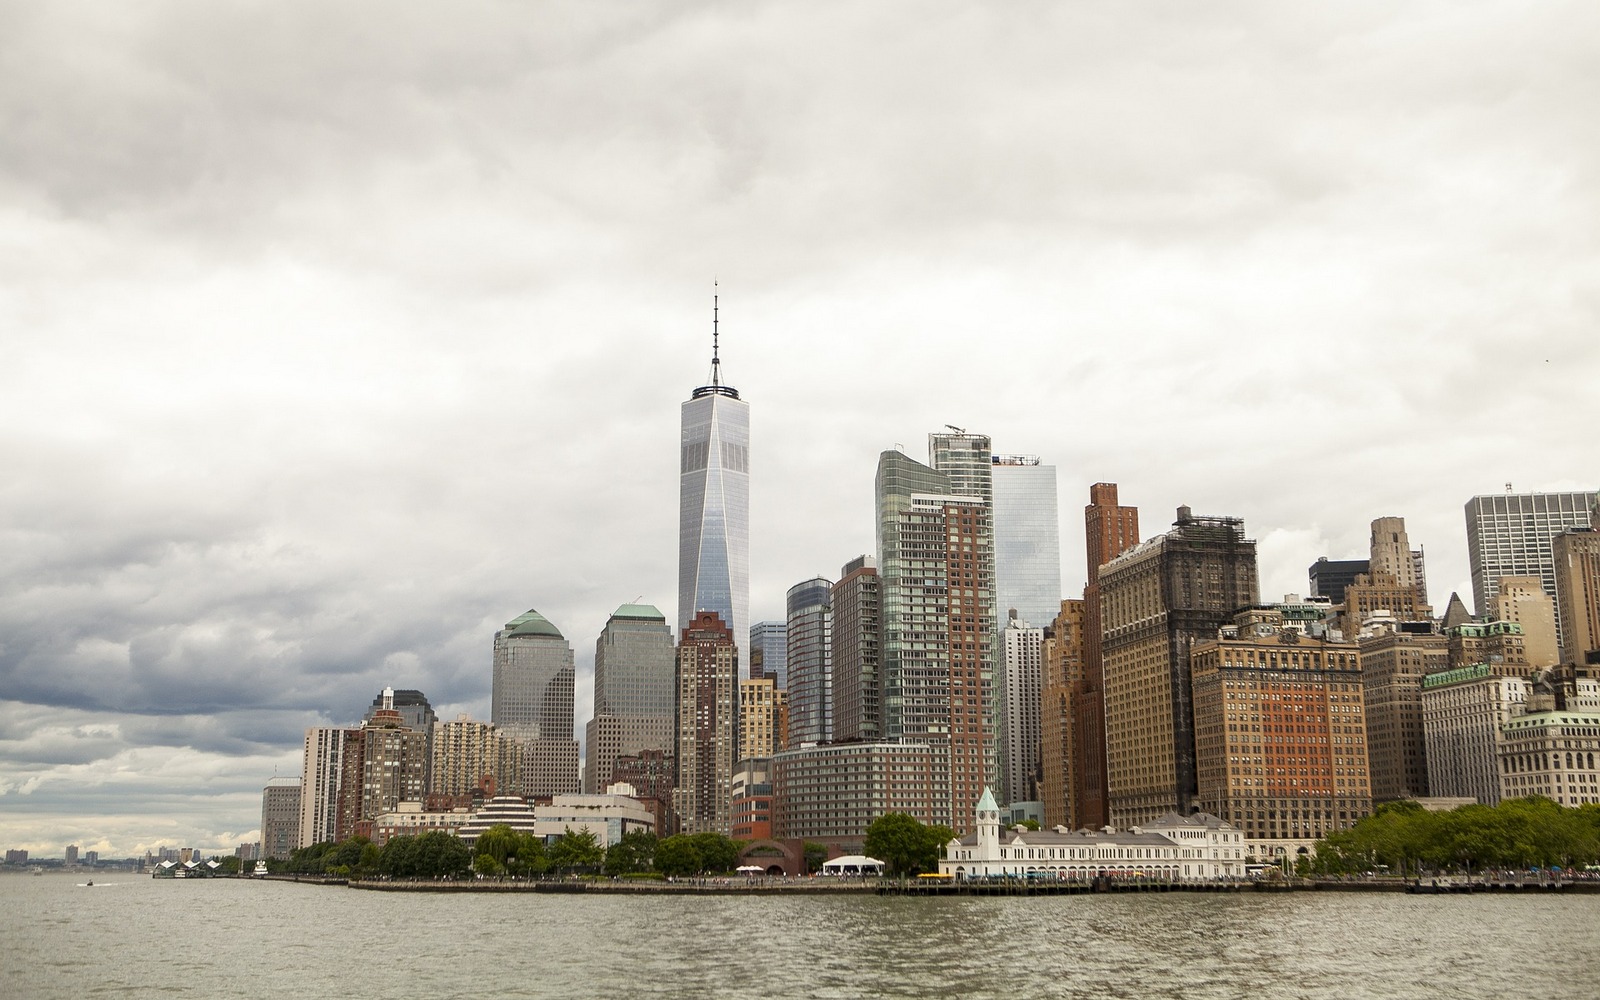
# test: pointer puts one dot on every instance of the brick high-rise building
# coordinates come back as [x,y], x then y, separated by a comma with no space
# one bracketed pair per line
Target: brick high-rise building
[1280,733]
[1109,530]
[708,725]
[1393,663]
[1062,667]
[1157,600]
[857,620]
[634,690]
[1381,592]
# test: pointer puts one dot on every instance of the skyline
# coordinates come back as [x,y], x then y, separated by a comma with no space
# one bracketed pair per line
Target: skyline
[335,345]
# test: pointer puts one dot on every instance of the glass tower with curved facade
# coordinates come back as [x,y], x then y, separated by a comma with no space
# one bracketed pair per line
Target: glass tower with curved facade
[714,505]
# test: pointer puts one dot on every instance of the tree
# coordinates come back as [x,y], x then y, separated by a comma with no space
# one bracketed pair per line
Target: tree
[718,852]
[677,856]
[576,849]
[906,846]
[1030,824]
[486,865]
[635,852]
[814,855]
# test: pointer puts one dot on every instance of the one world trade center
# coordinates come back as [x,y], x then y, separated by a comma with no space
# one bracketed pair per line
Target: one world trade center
[714,504]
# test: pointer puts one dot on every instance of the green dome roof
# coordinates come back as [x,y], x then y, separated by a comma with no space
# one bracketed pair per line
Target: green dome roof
[532,623]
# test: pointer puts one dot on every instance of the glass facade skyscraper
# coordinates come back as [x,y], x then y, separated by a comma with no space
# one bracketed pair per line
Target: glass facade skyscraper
[714,506]
[1027,538]
[810,653]
[1510,534]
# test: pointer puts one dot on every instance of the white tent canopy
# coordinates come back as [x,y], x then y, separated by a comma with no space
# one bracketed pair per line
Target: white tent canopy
[853,864]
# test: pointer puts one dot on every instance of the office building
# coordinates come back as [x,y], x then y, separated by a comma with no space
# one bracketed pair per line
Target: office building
[1380,594]
[1391,553]
[532,702]
[1497,645]
[769,652]
[810,659]
[1157,600]
[1022,675]
[1393,663]
[634,690]
[1522,599]
[714,503]
[1512,534]
[1329,577]
[1463,712]
[1061,664]
[831,793]
[707,727]
[752,799]
[1280,733]
[857,608]
[1027,537]
[280,818]
[1576,553]
[1551,753]
[937,650]
[1110,529]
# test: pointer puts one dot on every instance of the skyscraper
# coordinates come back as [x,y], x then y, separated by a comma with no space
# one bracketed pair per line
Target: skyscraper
[1390,552]
[1511,534]
[810,653]
[936,558]
[280,818]
[1023,647]
[1059,687]
[633,692]
[1027,538]
[319,784]
[707,725]
[1577,559]
[857,609]
[1109,530]
[1157,600]
[769,652]
[714,503]
[532,701]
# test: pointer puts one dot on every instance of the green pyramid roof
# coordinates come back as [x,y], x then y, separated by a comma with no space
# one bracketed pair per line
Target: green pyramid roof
[639,611]
[987,803]
[532,623]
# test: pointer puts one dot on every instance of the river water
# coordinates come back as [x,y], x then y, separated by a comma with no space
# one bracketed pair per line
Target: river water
[136,936]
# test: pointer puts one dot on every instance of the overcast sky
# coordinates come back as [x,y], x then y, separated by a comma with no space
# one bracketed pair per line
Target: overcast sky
[332,337]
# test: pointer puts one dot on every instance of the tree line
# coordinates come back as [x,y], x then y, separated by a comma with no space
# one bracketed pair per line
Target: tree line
[1516,834]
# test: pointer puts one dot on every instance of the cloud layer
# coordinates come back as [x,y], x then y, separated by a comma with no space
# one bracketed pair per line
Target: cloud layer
[335,338]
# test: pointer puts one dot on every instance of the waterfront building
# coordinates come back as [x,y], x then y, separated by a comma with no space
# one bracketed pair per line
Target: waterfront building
[769,652]
[1019,713]
[1027,537]
[1170,848]
[1157,600]
[415,713]
[707,725]
[831,793]
[412,819]
[1521,599]
[937,649]
[1464,710]
[1330,577]
[1512,534]
[471,756]
[385,763]
[810,661]
[510,810]
[280,818]
[1576,553]
[634,689]
[1110,529]
[714,502]
[72,852]
[652,774]
[532,702]
[1280,733]
[1061,665]
[1393,663]
[320,775]
[610,816]
[857,601]
[763,717]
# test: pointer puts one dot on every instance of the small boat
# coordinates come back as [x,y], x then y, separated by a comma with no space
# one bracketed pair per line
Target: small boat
[261,868]
[89,883]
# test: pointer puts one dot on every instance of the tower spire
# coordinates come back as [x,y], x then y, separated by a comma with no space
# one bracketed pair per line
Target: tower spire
[716,361]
